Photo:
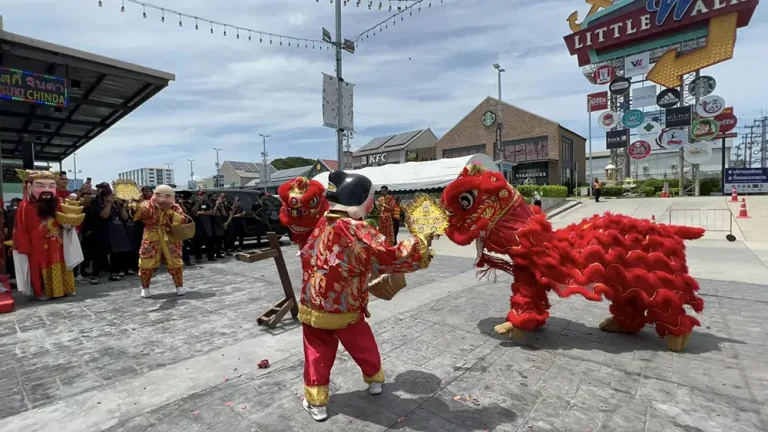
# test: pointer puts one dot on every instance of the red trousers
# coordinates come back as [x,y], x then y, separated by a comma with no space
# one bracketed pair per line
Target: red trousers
[320,348]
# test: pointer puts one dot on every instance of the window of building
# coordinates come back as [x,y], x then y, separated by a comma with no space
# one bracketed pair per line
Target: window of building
[463,151]
[674,168]
[646,170]
[566,149]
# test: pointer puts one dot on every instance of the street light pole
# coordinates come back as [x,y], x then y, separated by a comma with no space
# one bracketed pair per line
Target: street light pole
[191,170]
[264,159]
[217,183]
[339,128]
[74,157]
[499,120]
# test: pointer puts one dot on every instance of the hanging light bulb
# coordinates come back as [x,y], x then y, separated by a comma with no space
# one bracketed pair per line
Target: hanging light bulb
[390,8]
[180,24]
[281,41]
[430,3]
[145,11]
[249,35]
[306,45]
[196,26]
[260,40]
[289,42]
[270,39]
[380,5]
[225,30]
[237,32]
[211,28]
[101,4]
[162,17]
[122,6]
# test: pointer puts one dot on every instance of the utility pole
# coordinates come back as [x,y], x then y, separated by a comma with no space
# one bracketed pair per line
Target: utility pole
[191,170]
[348,164]
[74,159]
[218,168]
[763,148]
[264,155]
[339,79]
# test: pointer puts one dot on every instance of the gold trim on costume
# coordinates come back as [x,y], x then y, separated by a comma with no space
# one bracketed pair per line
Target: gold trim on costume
[58,281]
[316,396]
[378,378]
[327,320]
[426,257]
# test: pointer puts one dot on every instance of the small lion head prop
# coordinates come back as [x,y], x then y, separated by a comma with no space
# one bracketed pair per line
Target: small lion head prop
[303,204]
[482,206]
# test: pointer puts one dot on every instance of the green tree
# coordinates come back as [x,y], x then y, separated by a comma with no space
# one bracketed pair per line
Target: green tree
[292,162]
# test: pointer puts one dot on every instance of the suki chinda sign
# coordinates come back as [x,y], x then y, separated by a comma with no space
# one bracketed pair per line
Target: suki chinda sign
[30,87]
[621,29]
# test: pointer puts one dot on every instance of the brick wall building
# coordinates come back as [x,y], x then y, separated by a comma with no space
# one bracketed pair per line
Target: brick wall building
[534,147]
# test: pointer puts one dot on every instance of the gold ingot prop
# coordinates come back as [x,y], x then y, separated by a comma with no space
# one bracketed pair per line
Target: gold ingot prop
[426,217]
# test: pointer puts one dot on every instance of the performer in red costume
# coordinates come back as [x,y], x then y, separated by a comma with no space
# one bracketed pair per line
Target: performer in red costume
[159,215]
[386,204]
[337,262]
[638,265]
[38,239]
[303,204]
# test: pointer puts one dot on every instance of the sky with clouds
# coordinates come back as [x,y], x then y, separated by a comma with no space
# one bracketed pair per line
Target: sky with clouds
[428,70]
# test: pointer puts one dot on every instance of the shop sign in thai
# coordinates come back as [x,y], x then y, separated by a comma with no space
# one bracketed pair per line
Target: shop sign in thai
[30,87]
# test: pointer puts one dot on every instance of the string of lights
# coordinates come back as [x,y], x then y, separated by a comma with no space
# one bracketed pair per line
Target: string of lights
[227,29]
[359,3]
[402,12]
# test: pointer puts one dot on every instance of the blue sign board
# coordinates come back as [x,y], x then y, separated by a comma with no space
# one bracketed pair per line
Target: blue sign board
[746,180]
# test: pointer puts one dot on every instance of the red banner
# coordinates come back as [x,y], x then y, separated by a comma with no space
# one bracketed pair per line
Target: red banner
[597,101]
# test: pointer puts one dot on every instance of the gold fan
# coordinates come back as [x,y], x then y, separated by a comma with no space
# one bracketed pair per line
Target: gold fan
[426,217]
[127,189]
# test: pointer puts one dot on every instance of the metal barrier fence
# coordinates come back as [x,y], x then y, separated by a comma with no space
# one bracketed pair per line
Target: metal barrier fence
[713,220]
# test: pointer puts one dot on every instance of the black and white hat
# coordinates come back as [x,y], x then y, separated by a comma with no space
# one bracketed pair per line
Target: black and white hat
[348,192]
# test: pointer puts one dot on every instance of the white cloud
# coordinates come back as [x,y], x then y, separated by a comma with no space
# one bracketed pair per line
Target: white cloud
[428,70]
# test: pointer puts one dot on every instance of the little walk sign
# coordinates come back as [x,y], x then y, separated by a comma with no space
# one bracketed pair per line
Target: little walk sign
[638,26]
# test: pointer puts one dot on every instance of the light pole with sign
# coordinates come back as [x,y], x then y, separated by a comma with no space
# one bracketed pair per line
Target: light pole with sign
[499,122]
[264,159]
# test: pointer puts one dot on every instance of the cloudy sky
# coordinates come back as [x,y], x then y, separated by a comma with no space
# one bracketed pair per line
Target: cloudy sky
[428,70]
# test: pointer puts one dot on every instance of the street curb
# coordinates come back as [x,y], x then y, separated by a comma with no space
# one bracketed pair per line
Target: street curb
[565,207]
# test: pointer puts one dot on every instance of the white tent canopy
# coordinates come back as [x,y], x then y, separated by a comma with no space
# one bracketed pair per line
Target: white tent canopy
[418,175]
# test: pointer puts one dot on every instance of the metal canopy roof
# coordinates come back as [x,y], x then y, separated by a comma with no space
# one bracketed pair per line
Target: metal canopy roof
[101,92]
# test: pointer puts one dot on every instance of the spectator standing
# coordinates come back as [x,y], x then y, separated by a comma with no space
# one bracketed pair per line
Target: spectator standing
[236,225]
[61,186]
[598,187]
[396,217]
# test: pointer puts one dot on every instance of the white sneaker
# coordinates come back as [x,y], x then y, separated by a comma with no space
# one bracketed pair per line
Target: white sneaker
[318,413]
[375,388]
[145,293]
[180,291]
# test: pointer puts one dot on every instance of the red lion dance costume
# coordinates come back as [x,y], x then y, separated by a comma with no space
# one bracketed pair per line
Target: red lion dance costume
[638,265]
[303,204]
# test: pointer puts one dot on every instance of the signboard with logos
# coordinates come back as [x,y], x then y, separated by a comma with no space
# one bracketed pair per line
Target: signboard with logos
[669,98]
[638,64]
[597,101]
[608,119]
[30,87]
[678,117]
[379,158]
[710,106]
[746,180]
[616,139]
[704,129]
[649,130]
[644,96]
[675,138]
[702,86]
[331,103]
[633,118]
[633,27]
[619,86]
[727,120]
[639,150]
[603,75]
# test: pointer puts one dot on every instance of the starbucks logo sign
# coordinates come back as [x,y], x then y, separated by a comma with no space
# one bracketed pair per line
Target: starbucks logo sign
[489,118]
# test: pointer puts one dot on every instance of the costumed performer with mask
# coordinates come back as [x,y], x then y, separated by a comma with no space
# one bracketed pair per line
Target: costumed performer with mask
[337,262]
[159,214]
[38,239]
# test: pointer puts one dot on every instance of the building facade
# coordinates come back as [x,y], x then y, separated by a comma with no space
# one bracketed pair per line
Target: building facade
[238,174]
[283,176]
[534,149]
[149,176]
[413,146]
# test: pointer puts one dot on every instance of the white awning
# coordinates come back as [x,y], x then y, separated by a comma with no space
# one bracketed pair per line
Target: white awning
[418,175]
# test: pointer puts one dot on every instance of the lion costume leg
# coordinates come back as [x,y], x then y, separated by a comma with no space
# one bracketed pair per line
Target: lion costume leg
[529,306]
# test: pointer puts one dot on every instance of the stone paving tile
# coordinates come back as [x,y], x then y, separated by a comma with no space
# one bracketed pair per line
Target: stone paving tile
[107,332]
[447,370]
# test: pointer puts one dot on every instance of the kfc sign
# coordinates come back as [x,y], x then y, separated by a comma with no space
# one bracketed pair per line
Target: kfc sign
[373,159]
[603,75]
[597,101]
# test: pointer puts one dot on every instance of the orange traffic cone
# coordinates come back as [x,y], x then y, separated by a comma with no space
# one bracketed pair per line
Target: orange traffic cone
[743,210]
[734,195]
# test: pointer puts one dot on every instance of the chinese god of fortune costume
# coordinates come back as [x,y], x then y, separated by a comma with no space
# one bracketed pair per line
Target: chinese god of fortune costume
[39,234]
[337,262]
[387,205]
[639,266]
[303,204]
[159,214]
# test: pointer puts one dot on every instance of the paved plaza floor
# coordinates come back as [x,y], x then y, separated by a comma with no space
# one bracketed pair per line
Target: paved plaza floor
[108,360]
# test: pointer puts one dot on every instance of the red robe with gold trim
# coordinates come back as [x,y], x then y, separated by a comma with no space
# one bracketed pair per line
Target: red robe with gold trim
[387,206]
[337,263]
[42,242]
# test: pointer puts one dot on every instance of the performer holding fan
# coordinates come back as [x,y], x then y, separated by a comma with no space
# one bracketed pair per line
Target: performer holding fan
[337,262]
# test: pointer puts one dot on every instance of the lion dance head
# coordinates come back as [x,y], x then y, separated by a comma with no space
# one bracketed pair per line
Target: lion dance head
[303,204]
[483,207]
